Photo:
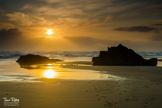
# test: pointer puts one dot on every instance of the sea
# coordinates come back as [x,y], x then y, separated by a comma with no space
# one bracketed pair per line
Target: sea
[12,71]
[68,55]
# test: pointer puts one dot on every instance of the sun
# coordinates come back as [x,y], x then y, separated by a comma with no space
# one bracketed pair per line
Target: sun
[50,73]
[49,31]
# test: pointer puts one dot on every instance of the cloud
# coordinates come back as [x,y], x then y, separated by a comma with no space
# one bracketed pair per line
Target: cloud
[84,40]
[13,39]
[156,38]
[87,12]
[96,44]
[80,12]
[10,33]
[159,20]
[88,9]
[6,25]
[90,12]
[136,29]
[140,10]
[10,37]
[53,1]
[40,21]
[27,6]
[1,11]
[156,24]
[24,20]
[20,18]
[90,43]
[61,12]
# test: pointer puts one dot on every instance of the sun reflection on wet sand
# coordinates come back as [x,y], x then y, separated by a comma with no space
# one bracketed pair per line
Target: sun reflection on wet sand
[55,71]
[50,73]
[50,67]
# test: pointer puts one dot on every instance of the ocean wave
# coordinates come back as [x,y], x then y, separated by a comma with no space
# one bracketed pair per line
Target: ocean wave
[10,54]
[150,54]
[68,54]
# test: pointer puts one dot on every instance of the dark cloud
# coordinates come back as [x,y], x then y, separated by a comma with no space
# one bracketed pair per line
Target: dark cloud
[156,24]
[15,40]
[139,10]
[95,44]
[136,29]
[10,37]
[85,10]
[10,33]
[9,5]
[139,1]
[156,38]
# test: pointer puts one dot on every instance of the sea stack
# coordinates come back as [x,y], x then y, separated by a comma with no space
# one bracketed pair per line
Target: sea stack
[121,56]
[35,59]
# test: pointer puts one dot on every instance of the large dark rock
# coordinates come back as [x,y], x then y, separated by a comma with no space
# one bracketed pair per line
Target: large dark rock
[35,59]
[121,56]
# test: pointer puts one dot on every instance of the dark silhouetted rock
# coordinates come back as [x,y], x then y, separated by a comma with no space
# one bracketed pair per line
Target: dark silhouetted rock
[121,56]
[35,59]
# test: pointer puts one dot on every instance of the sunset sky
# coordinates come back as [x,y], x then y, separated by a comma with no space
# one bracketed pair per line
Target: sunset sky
[80,25]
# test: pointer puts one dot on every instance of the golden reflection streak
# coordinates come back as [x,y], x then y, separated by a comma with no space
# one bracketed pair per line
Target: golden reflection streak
[50,66]
[49,73]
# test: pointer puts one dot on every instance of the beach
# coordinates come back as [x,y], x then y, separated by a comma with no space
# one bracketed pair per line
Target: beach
[113,87]
[75,83]
[81,53]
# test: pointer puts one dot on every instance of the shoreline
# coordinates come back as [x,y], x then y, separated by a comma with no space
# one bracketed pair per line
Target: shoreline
[142,88]
[125,87]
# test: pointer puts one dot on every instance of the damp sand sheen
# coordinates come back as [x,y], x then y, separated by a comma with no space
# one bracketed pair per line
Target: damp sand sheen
[80,86]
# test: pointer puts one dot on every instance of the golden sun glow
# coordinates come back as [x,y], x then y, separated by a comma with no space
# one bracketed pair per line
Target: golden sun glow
[50,73]
[48,64]
[49,31]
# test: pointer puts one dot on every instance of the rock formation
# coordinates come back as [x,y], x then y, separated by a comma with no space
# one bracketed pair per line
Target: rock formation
[121,56]
[35,59]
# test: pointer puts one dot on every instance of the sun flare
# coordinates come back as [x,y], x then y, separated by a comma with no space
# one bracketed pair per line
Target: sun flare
[49,31]
[50,73]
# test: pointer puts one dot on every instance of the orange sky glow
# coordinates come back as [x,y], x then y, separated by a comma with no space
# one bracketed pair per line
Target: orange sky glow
[70,25]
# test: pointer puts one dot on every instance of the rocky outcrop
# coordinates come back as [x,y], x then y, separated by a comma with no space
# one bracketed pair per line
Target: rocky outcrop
[35,59]
[121,56]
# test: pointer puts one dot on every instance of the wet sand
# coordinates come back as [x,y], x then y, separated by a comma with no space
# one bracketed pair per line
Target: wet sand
[137,87]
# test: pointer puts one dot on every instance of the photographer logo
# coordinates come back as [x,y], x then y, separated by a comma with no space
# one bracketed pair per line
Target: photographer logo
[11,101]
